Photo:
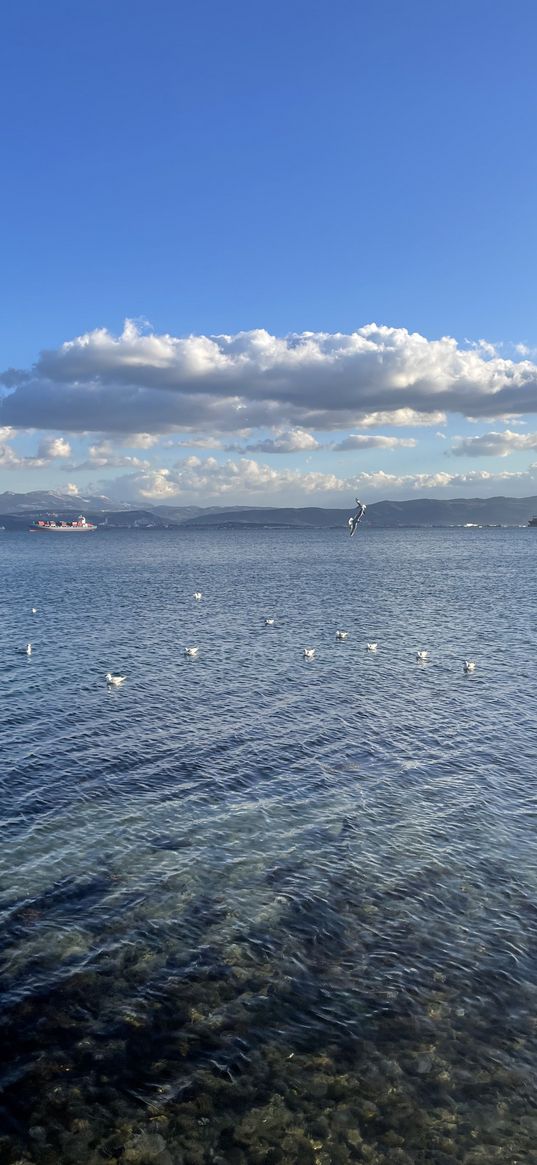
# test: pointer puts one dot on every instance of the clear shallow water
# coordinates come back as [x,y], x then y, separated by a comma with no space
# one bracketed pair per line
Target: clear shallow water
[255,908]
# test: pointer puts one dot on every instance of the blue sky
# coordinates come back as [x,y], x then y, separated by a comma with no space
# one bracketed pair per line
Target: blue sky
[257,170]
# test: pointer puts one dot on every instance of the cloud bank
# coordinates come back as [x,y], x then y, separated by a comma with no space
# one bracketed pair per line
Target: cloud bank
[149,384]
[245,479]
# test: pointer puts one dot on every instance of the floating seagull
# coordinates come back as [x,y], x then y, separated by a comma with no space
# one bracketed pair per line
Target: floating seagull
[422,656]
[341,634]
[191,651]
[114,680]
[309,653]
[468,665]
[198,595]
[26,650]
[371,646]
[34,610]
[269,622]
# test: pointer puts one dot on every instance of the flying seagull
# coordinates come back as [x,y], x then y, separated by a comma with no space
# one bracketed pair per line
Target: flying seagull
[357,517]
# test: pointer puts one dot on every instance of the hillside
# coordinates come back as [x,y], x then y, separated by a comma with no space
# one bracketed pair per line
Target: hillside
[419,512]
[17,510]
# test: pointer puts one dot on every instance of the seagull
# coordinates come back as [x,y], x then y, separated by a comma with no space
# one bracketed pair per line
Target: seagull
[269,622]
[34,610]
[341,634]
[27,650]
[198,595]
[357,517]
[422,656]
[468,665]
[371,646]
[309,653]
[114,680]
[191,651]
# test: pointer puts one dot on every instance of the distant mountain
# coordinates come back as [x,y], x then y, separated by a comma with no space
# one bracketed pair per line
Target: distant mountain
[51,502]
[313,517]
[18,509]
[184,513]
[419,512]
[130,519]
[453,512]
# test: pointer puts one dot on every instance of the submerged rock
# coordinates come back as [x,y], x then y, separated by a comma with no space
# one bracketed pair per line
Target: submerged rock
[266,1124]
[148,1147]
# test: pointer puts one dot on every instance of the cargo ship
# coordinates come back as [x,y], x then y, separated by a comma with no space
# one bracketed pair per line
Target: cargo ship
[78,526]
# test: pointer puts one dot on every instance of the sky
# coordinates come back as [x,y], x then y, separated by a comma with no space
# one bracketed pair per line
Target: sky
[271,253]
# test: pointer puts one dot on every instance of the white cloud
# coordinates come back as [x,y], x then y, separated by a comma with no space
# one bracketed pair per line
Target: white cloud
[246,481]
[52,447]
[358,441]
[433,481]
[208,478]
[103,456]
[49,449]
[484,347]
[495,444]
[140,440]
[314,380]
[293,441]
[402,418]
[9,459]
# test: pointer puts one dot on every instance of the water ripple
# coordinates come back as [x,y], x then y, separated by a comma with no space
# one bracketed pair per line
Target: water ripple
[256,908]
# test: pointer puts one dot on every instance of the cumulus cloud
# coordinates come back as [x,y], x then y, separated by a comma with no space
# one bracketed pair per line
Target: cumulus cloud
[104,456]
[293,441]
[247,481]
[9,459]
[494,444]
[140,440]
[49,449]
[314,380]
[52,447]
[358,441]
[210,478]
[407,418]
[433,481]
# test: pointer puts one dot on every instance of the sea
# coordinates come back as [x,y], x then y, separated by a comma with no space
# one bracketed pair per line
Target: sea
[257,908]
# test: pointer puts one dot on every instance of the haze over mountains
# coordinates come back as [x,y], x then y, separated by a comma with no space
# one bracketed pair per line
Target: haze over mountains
[17,510]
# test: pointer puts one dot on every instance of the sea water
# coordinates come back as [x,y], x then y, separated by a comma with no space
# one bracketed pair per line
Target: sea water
[256,908]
